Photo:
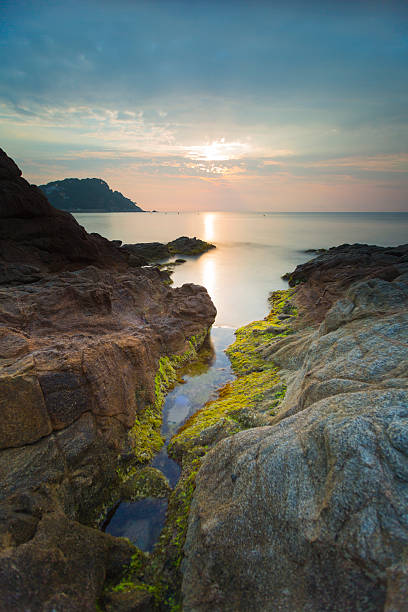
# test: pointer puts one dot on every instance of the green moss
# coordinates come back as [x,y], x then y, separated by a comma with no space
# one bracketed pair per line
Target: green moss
[145,433]
[244,392]
[145,482]
[150,573]
[173,535]
[159,573]
[132,586]
[133,575]
[164,568]
[257,378]
[257,385]
[245,354]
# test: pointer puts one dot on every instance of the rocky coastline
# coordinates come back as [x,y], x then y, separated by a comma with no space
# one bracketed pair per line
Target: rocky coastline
[293,488]
[144,252]
[294,481]
[304,508]
[89,344]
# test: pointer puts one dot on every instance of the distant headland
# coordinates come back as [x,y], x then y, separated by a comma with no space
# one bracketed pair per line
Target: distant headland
[87,195]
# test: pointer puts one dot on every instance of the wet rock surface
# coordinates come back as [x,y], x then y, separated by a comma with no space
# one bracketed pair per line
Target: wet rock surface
[309,512]
[189,246]
[82,335]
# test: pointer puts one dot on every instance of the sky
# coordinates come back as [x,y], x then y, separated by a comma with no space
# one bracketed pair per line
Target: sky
[216,105]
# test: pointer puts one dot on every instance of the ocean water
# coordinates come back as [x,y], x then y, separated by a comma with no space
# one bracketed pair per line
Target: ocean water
[253,249]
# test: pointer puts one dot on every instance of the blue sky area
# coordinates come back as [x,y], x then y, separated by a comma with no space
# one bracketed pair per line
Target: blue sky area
[211,105]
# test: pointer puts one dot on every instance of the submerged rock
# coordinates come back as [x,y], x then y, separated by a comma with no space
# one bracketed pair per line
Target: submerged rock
[309,512]
[150,251]
[146,482]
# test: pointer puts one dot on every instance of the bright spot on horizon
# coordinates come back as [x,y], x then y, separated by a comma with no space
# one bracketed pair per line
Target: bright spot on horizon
[218,150]
[209,227]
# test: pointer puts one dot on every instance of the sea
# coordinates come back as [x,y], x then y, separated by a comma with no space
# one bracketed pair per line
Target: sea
[253,251]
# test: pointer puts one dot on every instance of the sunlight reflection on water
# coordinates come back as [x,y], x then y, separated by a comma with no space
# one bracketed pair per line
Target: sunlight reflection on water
[208,273]
[209,219]
[253,249]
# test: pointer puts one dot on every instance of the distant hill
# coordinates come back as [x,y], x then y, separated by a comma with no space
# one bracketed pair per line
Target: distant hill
[87,195]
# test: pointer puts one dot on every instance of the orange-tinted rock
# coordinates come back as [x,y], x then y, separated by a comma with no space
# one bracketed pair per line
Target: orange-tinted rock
[81,334]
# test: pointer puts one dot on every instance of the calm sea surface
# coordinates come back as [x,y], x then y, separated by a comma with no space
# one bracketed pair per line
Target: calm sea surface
[253,249]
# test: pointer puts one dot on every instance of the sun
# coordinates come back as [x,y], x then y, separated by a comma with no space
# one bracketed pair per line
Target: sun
[218,150]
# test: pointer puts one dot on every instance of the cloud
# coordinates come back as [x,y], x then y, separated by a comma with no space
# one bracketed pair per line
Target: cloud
[131,53]
[244,93]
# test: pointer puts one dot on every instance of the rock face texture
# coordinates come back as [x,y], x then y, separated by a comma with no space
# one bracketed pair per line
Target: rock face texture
[310,513]
[35,237]
[80,348]
[329,275]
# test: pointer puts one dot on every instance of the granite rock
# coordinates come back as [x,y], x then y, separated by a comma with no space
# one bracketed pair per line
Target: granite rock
[309,513]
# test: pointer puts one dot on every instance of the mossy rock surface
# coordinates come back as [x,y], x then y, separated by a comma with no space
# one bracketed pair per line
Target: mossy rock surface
[146,482]
[251,400]
[145,436]
[257,385]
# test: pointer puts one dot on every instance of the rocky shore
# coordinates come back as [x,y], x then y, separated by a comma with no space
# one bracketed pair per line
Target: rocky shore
[307,508]
[89,344]
[293,492]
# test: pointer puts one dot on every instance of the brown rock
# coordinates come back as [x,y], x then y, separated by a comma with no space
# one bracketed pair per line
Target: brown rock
[63,566]
[79,350]
[24,417]
[34,233]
